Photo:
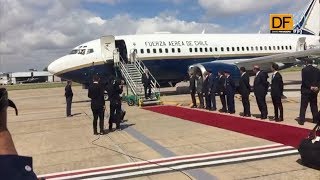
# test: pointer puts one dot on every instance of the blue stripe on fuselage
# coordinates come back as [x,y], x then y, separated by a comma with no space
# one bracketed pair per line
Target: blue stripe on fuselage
[165,70]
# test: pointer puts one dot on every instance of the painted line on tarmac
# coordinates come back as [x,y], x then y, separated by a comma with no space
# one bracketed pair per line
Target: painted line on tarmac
[198,174]
[179,163]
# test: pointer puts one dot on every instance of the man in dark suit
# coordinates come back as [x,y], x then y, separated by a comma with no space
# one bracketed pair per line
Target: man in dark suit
[146,81]
[230,92]
[222,91]
[309,91]
[260,89]
[192,88]
[244,90]
[69,95]
[277,92]
[206,90]
[199,89]
[213,81]
[96,94]
[114,91]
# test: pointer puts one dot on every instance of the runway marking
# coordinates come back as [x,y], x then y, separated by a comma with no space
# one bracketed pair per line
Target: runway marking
[172,164]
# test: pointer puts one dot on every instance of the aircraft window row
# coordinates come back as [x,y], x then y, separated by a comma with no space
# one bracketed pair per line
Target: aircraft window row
[160,50]
[216,49]
[228,49]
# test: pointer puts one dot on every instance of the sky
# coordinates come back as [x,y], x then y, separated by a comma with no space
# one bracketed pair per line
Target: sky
[33,33]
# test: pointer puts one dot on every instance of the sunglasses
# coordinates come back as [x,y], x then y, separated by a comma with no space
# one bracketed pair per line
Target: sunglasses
[5,102]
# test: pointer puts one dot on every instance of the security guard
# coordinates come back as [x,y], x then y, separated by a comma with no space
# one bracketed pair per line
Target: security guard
[69,95]
[96,94]
[114,91]
[277,92]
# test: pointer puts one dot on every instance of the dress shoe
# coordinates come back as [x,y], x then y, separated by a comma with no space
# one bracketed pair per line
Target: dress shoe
[248,115]
[301,122]
[263,117]
[194,106]
[279,120]
[96,133]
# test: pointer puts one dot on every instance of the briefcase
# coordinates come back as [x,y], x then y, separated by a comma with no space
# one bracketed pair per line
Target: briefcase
[309,149]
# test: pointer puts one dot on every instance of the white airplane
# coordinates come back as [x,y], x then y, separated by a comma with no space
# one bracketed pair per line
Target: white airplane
[168,56]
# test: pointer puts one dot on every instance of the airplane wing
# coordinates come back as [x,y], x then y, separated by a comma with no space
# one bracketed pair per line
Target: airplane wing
[282,59]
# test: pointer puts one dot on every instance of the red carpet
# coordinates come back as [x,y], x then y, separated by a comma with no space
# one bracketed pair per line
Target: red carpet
[284,134]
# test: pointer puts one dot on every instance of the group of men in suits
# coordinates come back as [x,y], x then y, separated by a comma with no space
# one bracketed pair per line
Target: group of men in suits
[211,85]
[224,86]
[96,94]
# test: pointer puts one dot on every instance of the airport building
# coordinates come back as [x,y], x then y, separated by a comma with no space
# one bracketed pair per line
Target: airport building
[28,77]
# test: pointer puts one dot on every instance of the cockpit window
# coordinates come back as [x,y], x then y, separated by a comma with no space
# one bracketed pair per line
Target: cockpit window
[74,51]
[90,51]
[82,51]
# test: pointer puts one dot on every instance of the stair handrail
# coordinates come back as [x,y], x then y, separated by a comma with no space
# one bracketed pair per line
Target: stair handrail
[126,74]
[127,78]
[141,66]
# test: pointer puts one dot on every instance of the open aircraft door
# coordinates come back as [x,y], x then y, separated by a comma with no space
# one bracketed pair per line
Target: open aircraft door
[108,47]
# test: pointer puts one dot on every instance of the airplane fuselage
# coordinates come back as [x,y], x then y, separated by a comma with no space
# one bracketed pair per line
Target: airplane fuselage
[168,56]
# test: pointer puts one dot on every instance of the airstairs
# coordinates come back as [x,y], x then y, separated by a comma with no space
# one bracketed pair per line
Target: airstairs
[132,73]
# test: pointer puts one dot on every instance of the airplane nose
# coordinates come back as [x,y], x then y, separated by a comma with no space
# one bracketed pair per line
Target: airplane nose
[52,67]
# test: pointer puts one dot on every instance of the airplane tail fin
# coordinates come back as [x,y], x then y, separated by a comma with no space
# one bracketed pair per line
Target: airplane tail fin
[309,23]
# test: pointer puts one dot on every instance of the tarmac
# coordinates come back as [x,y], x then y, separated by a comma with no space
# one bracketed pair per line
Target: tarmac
[63,147]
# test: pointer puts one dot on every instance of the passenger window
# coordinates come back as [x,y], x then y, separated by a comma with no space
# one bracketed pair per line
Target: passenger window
[270,48]
[274,47]
[167,51]
[282,47]
[148,51]
[278,47]
[238,48]
[160,50]
[233,48]
[290,47]
[179,50]
[210,49]
[173,51]
[228,49]
[242,48]
[141,51]
[216,49]
[252,48]
[206,49]
[265,48]
[195,49]
[261,48]
[222,49]
[190,49]
[257,48]
[154,51]
[248,49]
[200,49]
[286,47]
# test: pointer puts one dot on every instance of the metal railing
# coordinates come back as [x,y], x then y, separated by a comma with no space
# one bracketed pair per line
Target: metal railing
[155,86]
[126,74]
